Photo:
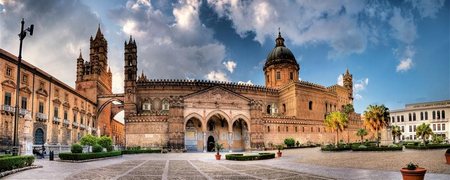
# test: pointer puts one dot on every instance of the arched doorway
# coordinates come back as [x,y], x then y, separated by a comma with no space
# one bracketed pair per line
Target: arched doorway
[193,139]
[211,143]
[240,139]
[39,136]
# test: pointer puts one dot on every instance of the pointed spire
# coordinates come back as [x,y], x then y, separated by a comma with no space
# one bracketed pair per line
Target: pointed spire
[280,40]
[346,72]
[131,40]
[80,57]
[99,32]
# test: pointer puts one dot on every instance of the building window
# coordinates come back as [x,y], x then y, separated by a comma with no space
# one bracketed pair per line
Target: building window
[318,129]
[438,115]
[312,129]
[403,118]
[24,79]
[303,129]
[23,103]
[65,114]
[81,119]
[278,128]
[434,127]
[7,98]
[398,118]
[421,115]
[74,117]
[268,128]
[55,112]
[409,117]
[278,75]
[414,116]
[426,115]
[393,119]
[291,75]
[414,137]
[434,115]
[146,106]
[284,108]
[403,128]
[287,129]
[165,105]
[296,129]
[439,127]
[414,128]
[443,127]
[268,109]
[41,107]
[310,105]
[443,114]
[410,128]
[8,71]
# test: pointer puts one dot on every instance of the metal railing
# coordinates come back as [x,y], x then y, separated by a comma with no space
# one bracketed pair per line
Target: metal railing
[56,120]
[66,122]
[24,112]
[82,126]
[75,124]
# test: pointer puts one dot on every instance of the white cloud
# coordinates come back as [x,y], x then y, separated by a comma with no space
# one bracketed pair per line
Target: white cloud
[360,85]
[230,65]
[217,76]
[120,117]
[403,26]
[340,80]
[427,8]
[358,97]
[404,65]
[249,82]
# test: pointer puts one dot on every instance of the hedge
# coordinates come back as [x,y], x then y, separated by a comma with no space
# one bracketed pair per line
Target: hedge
[332,147]
[429,146]
[383,148]
[242,157]
[84,156]
[13,162]
[138,151]
[5,155]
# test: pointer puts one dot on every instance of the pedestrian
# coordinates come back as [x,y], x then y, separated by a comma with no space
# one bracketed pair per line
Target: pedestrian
[43,152]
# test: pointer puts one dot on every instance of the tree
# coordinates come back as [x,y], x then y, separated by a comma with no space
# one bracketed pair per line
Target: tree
[348,109]
[336,121]
[396,132]
[376,117]
[105,142]
[361,132]
[424,131]
[88,140]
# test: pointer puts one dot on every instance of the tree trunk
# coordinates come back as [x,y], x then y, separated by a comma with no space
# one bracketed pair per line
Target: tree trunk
[362,137]
[394,139]
[378,142]
[337,137]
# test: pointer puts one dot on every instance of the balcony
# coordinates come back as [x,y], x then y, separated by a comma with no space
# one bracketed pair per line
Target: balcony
[56,120]
[24,112]
[94,129]
[41,117]
[75,124]
[66,122]
[7,109]
[82,126]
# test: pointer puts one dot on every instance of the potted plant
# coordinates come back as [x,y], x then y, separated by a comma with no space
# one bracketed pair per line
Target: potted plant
[413,172]
[447,156]
[218,147]
[279,147]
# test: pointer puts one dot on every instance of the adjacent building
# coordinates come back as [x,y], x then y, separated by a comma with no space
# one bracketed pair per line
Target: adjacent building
[434,113]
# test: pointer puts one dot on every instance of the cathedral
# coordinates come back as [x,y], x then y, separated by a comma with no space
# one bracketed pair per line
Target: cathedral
[193,115]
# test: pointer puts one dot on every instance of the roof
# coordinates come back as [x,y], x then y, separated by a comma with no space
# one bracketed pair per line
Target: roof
[280,54]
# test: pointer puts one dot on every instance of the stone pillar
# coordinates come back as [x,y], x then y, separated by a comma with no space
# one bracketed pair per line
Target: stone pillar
[204,142]
[230,141]
[176,123]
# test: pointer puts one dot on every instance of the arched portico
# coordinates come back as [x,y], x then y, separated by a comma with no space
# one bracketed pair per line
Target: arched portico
[240,135]
[194,136]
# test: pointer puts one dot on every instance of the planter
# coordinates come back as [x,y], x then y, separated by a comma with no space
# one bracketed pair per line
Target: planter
[417,174]
[279,154]
[447,156]
[218,156]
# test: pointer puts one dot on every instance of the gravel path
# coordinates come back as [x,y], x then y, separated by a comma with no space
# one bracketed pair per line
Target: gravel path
[432,160]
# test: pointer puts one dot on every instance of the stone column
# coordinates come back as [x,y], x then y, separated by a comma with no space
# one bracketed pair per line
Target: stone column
[204,142]
[230,141]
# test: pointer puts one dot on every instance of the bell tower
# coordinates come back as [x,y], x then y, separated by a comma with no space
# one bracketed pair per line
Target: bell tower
[130,72]
[348,84]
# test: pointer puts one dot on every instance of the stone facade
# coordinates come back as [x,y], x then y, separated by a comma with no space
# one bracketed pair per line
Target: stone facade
[194,114]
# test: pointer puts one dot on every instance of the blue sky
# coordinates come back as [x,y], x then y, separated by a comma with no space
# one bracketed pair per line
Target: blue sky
[397,51]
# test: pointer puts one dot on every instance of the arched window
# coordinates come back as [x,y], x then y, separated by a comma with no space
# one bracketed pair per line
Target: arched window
[296,129]
[146,106]
[284,108]
[278,128]
[287,129]
[291,75]
[426,115]
[129,74]
[278,75]
[310,105]
[303,129]
[326,107]
[414,116]
[443,114]
[312,129]
[409,117]
[268,109]
[434,115]
[268,128]
[438,115]
[39,136]
[165,105]
[421,115]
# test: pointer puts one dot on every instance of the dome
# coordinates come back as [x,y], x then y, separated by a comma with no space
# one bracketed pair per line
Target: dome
[280,54]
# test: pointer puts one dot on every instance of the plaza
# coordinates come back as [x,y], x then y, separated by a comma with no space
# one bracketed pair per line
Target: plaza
[307,163]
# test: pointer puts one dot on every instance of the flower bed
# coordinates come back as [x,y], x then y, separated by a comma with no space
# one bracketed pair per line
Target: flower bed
[13,162]
[429,146]
[249,157]
[138,151]
[84,156]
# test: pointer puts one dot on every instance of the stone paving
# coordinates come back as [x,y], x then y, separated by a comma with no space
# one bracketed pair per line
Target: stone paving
[204,166]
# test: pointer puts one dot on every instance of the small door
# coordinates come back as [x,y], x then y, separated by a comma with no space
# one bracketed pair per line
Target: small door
[211,144]
[39,136]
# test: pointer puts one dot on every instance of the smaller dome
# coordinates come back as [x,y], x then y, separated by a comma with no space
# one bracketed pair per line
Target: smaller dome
[280,54]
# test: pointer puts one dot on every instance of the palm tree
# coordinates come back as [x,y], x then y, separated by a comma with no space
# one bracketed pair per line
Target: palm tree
[336,121]
[376,117]
[424,131]
[348,109]
[396,132]
[361,132]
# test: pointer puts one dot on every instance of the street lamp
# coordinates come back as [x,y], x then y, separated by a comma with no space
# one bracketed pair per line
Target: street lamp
[22,35]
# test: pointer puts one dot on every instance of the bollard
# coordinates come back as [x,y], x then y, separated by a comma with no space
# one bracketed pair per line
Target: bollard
[51,156]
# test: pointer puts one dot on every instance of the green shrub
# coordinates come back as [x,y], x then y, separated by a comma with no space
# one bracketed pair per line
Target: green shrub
[437,139]
[250,157]
[110,148]
[5,155]
[362,147]
[97,148]
[85,156]
[134,148]
[297,144]
[139,151]
[429,146]
[13,162]
[290,142]
[104,141]
[392,145]
[88,140]
[332,147]
[76,148]
[378,149]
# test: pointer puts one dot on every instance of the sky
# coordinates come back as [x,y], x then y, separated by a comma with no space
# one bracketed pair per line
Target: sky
[397,51]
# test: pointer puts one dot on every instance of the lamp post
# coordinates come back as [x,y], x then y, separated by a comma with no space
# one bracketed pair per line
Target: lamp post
[22,35]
